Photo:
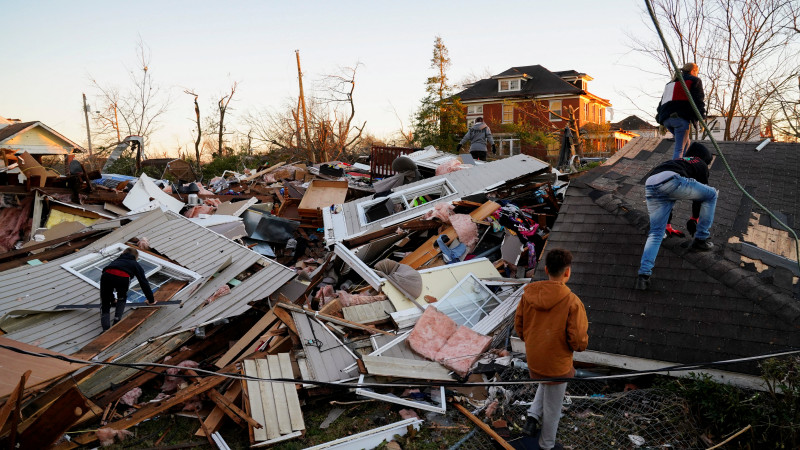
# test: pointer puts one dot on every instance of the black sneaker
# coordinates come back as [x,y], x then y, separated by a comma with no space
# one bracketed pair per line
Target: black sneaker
[702,245]
[531,427]
[642,282]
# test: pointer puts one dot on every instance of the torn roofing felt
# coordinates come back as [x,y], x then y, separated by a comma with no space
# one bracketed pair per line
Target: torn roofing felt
[173,236]
[739,300]
[361,216]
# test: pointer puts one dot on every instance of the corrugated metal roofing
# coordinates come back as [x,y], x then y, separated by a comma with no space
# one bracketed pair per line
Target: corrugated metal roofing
[172,235]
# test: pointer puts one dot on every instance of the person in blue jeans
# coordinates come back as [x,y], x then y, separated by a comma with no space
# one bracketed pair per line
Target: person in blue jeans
[674,110]
[678,179]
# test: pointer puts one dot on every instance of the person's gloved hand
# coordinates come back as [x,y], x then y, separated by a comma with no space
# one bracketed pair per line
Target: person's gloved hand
[458,148]
[691,225]
[494,149]
[673,232]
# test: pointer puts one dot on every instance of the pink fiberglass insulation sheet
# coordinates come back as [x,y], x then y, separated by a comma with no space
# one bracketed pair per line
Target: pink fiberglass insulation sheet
[431,332]
[462,349]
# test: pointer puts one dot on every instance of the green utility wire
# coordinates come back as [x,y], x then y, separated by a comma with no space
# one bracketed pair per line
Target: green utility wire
[714,141]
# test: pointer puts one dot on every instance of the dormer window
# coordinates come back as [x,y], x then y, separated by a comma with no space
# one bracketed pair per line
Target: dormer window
[510,85]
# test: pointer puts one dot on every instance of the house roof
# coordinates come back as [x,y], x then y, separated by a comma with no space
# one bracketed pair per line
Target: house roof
[216,258]
[633,123]
[736,301]
[10,131]
[538,81]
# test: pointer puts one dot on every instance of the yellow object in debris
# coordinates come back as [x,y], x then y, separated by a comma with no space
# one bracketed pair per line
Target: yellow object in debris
[56,217]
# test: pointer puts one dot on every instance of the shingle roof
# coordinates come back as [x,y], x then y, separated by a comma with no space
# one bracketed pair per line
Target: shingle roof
[539,81]
[633,123]
[10,130]
[701,306]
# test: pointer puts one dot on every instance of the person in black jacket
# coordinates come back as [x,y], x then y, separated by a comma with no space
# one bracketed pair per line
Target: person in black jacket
[116,277]
[674,110]
[678,179]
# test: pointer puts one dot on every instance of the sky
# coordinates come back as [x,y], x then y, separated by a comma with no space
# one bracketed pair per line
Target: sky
[53,49]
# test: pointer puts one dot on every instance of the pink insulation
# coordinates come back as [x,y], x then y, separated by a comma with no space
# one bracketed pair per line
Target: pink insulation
[453,165]
[348,299]
[462,349]
[14,223]
[173,382]
[408,414]
[131,396]
[431,332]
[106,435]
[143,243]
[193,404]
[441,211]
[223,290]
[212,201]
[466,229]
[195,211]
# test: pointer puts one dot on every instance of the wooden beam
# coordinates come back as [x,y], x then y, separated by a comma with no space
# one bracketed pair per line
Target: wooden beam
[13,399]
[486,428]
[57,419]
[24,251]
[214,420]
[427,251]
[231,410]
[255,331]
[47,255]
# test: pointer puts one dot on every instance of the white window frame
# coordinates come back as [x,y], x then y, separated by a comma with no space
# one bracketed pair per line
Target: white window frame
[513,85]
[484,306]
[513,145]
[503,112]
[406,196]
[553,117]
[474,110]
[108,254]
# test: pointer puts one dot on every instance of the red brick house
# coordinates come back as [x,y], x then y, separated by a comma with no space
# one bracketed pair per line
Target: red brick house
[532,97]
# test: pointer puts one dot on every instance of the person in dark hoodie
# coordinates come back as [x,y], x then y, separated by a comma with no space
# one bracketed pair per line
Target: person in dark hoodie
[116,278]
[678,179]
[552,322]
[478,136]
[674,110]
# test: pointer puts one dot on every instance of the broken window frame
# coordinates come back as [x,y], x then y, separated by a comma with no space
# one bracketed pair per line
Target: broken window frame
[152,266]
[473,316]
[406,198]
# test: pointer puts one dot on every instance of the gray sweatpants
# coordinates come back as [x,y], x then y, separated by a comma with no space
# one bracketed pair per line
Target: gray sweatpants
[546,408]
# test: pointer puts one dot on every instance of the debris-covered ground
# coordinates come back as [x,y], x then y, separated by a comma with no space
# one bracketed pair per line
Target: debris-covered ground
[345,305]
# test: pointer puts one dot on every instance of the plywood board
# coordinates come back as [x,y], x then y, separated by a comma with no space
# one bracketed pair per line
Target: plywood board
[43,370]
[322,194]
[404,368]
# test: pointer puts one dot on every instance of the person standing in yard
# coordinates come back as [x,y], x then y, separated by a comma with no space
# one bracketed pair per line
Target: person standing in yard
[116,278]
[478,136]
[674,110]
[552,322]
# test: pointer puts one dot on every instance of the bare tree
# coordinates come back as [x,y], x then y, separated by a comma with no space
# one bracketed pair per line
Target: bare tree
[134,110]
[742,48]
[331,116]
[222,108]
[199,128]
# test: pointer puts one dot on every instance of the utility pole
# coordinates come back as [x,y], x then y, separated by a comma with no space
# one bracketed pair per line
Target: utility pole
[88,132]
[303,104]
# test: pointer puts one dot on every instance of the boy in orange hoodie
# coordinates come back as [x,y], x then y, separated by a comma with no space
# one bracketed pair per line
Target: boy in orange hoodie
[552,322]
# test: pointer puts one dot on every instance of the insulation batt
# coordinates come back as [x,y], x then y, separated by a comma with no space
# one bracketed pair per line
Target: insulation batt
[143,243]
[131,396]
[223,290]
[14,221]
[462,349]
[106,435]
[441,211]
[173,382]
[195,211]
[212,201]
[454,165]
[431,332]
[466,229]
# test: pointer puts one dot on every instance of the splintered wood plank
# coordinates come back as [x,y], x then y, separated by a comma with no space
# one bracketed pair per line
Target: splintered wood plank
[53,422]
[427,251]
[267,401]
[404,368]
[254,397]
[254,332]
[279,395]
[369,313]
[214,420]
[293,402]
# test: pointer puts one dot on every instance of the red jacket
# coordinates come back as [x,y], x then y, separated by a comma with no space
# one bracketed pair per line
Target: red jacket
[552,321]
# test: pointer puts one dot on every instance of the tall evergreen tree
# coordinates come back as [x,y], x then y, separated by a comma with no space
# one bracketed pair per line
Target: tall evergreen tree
[440,119]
